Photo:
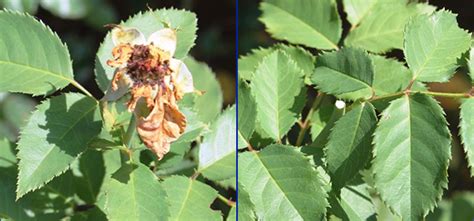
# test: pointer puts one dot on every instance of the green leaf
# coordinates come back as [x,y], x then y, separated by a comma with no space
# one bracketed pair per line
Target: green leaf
[66,9]
[281,177]
[247,106]
[246,207]
[459,207]
[209,105]
[29,6]
[390,75]
[470,64]
[17,109]
[248,63]
[382,28]
[312,23]
[349,147]
[217,151]
[7,156]
[355,204]
[467,130]
[149,22]
[190,199]
[55,136]
[194,127]
[433,44]
[347,74]
[277,82]
[91,166]
[413,138]
[134,193]
[321,116]
[356,10]
[33,59]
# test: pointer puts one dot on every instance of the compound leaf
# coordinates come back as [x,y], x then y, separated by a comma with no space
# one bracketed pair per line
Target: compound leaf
[190,199]
[134,193]
[313,23]
[56,134]
[433,44]
[467,130]
[277,184]
[347,74]
[33,59]
[185,22]
[350,144]
[217,151]
[412,152]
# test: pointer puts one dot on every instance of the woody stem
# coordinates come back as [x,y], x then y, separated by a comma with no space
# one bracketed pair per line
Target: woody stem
[127,139]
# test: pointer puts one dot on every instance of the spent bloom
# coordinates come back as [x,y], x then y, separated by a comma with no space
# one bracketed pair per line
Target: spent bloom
[156,81]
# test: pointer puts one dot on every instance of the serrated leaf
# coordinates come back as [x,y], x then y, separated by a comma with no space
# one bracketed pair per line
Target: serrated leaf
[277,82]
[246,207]
[277,184]
[248,63]
[149,22]
[313,23]
[467,130]
[194,127]
[247,106]
[433,44]
[470,64]
[413,138]
[321,116]
[390,75]
[134,193]
[347,74]
[356,10]
[459,207]
[355,204]
[55,136]
[33,59]
[217,151]
[209,105]
[350,144]
[190,199]
[382,28]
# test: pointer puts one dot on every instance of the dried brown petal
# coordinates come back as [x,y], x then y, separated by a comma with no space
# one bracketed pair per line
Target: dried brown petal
[163,125]
[121,54]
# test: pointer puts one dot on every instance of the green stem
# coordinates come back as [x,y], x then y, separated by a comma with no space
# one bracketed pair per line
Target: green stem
[81,88]
[305,125]
[433,93]
[127,140]
[225,200]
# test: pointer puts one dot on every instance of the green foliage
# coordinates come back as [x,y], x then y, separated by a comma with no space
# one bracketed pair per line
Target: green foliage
[217,150]
[433,44]
[348,149]
[403,140]
[326,130]
[277,83]
[347,73]
[190,199]
[274,183]
[312,23]
[467,129]
[55,136]
[78,158]
[33,59]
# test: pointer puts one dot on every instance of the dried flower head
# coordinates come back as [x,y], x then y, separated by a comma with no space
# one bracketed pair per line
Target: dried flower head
[156,81]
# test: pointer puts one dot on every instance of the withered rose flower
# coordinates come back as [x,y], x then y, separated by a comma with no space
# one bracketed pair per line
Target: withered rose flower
[156,81]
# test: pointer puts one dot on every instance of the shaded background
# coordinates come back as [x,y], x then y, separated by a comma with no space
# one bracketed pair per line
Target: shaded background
[252,35]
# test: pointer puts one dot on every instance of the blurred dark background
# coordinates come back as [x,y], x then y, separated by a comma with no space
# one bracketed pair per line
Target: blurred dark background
[252,35]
